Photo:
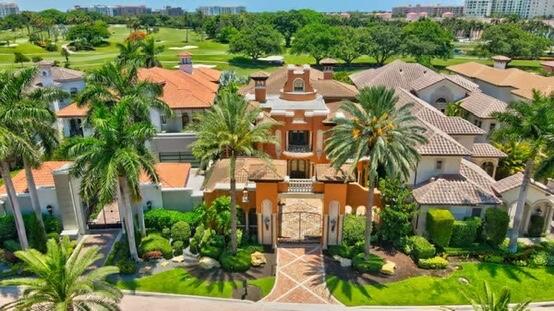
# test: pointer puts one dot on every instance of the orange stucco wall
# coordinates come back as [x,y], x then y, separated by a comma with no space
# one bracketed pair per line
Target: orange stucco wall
[209,197]
[267,191]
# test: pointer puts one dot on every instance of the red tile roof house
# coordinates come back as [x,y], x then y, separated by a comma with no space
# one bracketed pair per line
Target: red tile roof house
[186,91]
[59,194]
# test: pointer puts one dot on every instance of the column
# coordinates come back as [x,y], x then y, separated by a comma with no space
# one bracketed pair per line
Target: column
[325,237]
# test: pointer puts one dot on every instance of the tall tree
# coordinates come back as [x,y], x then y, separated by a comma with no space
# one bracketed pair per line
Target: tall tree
[288,23]
[378,134]
[533,124]
[229,129]
[427,39]
[257,41]
[512,40]
[348,47]
[63,280]
[382,41]
[150,52]
[316,40]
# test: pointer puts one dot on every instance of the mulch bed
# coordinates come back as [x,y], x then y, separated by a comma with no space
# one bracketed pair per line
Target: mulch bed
[405,268]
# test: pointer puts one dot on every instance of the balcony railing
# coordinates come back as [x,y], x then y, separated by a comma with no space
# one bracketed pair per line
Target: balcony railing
[299,148]
[301,185]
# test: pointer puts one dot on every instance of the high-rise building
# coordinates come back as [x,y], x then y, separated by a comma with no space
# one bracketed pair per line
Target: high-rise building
[101,9]
[521,8]
[171,11]
[429,10]
[8,8]
[117,10]
[221,10]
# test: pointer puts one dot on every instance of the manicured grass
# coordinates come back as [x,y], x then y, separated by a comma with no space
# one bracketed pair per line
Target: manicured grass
[536,284]
[179,281]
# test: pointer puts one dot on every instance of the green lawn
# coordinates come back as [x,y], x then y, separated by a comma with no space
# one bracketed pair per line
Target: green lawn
[536,284]
[208,52]
[179,281]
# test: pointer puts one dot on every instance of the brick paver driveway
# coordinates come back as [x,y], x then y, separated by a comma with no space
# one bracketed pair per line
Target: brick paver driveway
[300,277]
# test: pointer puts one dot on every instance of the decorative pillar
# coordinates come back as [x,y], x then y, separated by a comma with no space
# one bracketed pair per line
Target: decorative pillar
[325,238]
[260,228]
[274,229]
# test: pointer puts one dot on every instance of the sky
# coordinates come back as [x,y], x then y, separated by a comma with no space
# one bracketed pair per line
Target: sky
[251,5]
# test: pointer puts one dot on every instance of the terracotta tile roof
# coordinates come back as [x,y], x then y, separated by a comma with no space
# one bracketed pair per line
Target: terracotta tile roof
[183,90]
[523,82]
[72,111]
[482,105]
[327,88]
[515,181]
[209,74]
[246,169]
[325,172]
[486,150]
[171,175]
[453,190]
[466,83]
[477,175]
[43,177]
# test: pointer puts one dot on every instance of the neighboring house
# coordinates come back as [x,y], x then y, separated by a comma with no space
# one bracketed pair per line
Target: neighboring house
[479,109]
[58,193]
[186,91]
[504,84]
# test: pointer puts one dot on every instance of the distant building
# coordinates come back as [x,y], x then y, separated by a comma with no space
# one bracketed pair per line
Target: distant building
[8,8]
[172,11]
[101,9]
[221,10]
[117,10]
[521,8]
[430,10]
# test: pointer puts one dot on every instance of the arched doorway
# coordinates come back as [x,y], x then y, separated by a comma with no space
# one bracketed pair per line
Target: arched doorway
[488,167]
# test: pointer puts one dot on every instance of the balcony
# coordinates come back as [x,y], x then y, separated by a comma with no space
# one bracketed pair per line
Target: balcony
[299,148]
[301,185]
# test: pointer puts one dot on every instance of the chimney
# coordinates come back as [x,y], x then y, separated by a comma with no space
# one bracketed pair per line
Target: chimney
[185,62]
[260,87]
[500,62]
[45,72]
[328,68]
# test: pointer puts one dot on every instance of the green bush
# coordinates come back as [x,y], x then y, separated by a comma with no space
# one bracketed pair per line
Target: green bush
[439,226]
[35,234]
[371,265]
[127,266]
[180,231]
[52,223]
[495,226]
[12,245]
[178,247]
[536,225]
[159,218]
[421,248]
[53,236]
[8,230]
[539,259]
[434,263]
[237,263]
[353,229]
[341,250]
[155,242]
[464,233]
[166,233]
[213,247]
[493,259]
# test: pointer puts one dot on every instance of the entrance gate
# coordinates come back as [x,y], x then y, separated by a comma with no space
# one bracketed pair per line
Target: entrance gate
[300,223]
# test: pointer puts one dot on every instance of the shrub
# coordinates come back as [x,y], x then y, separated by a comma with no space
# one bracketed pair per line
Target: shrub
[12,245]
[464,233]
[237,263]
[353,229]
[155,242]
[35,234]
[342,250]
[397,213]
[127,266]
[212,246]
[439,226]
[8,230]
[421,248]
[159,218]
[434,263]
[495,225]
[539,259]
[536,225]
[520,263]
[211,251]
[178,247]
[153,255]
[180,231]
[493,259]
[52,223]
[371,265]
[53,235]
[166,233]
[36,59]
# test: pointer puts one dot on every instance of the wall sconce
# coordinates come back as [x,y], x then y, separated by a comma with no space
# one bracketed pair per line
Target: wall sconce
[333,224]
[50,209]
[149,205]
[266,222]
[245,198]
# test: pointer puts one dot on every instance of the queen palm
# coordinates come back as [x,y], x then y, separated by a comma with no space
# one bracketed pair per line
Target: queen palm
[129,52]
[229,129]
[110,161]
[63,280]
[150,52]
[532,124]
[378,134]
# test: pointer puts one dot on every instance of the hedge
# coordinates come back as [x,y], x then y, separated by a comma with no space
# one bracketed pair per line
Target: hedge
[495,226]
[371,265]
[464,232]
[159,218]
[180,231]
[421,248]
[155,242]
[240,262]
[439,226]
[433,263]
[353,229]
[536,225]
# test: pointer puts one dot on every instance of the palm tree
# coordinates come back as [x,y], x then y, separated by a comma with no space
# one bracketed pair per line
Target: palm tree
[150,52]
[378,134]
[110,161]
[229,129]
[533,124]
[489,301]
[64,280]
[129,52]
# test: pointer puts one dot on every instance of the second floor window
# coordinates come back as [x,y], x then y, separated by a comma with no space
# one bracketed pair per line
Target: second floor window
[298,85]
[185,119]
[439,165]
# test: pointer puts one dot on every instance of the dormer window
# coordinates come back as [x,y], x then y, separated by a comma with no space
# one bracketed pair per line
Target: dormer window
[298,86]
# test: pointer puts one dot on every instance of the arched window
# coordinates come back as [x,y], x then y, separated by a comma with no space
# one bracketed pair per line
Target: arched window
[488,167]
[298,85]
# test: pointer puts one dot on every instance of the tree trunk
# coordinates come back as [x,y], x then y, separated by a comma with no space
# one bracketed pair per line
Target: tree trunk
[142,226]
[35,203]
[369,217]
[12,196]
[232,164]
[129,219]
[246,222]
[520,207]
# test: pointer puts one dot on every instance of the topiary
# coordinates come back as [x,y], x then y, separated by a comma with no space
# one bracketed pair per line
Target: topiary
[421,248]
[178,247]
[439,226]
[155,242]
[371,265]
[495,225]
[180,231]
[464,233]
[433,263]
[240,262]
[166,233]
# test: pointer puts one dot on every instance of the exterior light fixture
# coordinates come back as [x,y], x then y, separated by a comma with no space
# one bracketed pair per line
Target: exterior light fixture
[333,224]
[149,205]
[245,198]
[50,209]
[266,222]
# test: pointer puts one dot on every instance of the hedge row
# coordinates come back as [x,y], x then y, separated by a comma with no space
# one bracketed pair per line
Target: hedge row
[159,218]
[496,225]
[464,232]
[439,226]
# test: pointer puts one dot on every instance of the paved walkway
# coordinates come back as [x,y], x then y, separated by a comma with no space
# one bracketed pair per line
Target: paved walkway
[104,239]
[300,277]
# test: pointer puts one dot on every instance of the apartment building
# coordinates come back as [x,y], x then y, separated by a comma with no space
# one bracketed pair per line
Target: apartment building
[522,8]
[221,10]
[429,10]
[8,8]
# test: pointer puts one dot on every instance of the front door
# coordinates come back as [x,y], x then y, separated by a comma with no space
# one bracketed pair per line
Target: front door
[298,169]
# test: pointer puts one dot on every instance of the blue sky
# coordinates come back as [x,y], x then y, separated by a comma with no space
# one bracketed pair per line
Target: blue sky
[251,5]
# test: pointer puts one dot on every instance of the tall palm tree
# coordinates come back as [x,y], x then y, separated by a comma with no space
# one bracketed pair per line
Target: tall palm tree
[229,130]
[129,52]
[150,52]
[531,123]
[64,280]
[378,134]
[110,161]
[488,301]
